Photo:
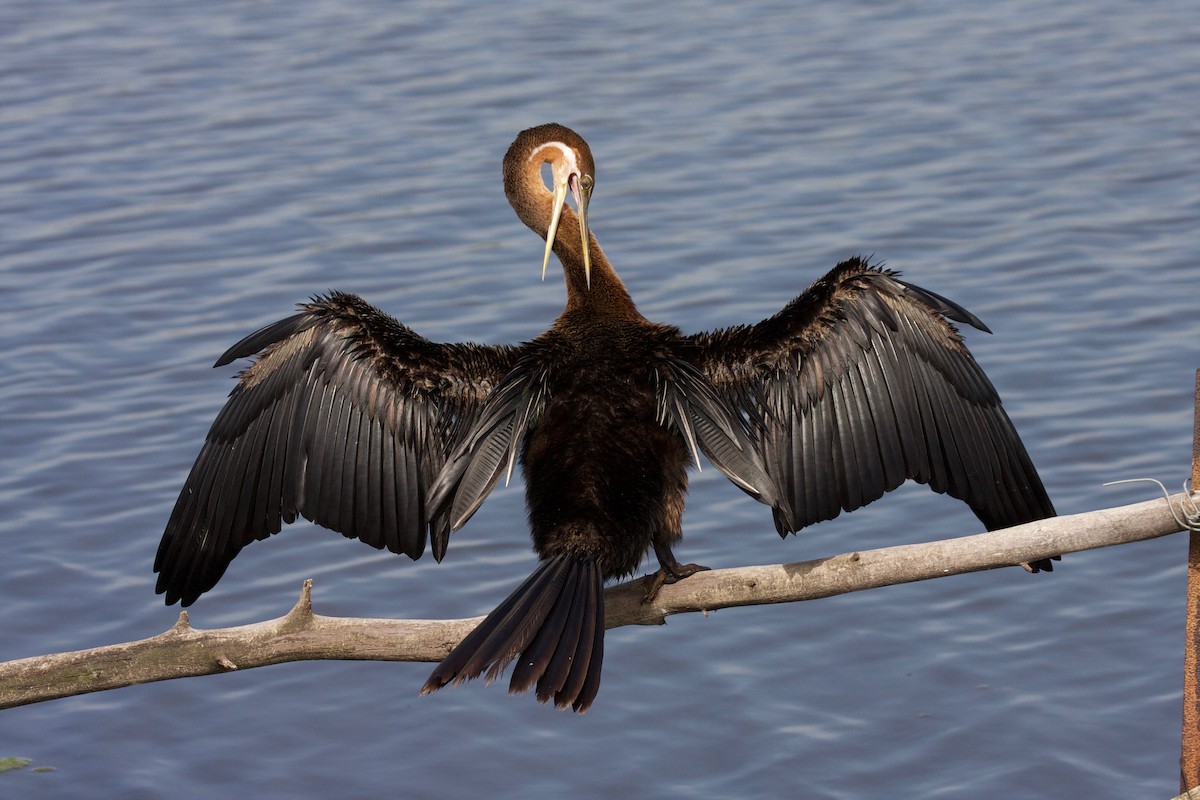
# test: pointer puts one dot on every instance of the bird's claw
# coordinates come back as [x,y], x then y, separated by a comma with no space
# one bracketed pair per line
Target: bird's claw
[653,583]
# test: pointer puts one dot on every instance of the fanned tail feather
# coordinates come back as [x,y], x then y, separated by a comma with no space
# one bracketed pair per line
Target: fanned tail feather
[554,622]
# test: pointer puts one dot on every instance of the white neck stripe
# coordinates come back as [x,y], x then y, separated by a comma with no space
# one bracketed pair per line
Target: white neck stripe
[567,153]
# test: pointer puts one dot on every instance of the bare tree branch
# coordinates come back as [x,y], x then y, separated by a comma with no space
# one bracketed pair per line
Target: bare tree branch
[301,635]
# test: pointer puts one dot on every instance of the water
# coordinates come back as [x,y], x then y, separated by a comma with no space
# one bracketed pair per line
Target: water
[172,177]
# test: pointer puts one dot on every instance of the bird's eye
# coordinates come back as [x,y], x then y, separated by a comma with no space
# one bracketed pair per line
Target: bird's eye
[587,182]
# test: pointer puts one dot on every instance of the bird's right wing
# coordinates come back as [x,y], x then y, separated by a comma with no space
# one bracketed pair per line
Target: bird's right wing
[345,419]
[862,382]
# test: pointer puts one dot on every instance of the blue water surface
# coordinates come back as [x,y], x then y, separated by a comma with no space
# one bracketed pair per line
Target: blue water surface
[173,176]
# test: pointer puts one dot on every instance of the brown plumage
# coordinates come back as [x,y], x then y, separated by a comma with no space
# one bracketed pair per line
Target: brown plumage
[352,420]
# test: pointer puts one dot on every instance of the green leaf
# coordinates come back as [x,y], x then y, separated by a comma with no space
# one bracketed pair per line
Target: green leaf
[7,764]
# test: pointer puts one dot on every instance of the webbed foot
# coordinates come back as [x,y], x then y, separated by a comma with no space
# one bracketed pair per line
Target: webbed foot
[653,583]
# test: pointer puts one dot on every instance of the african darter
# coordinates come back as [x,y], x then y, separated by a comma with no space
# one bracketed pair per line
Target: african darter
[352,420]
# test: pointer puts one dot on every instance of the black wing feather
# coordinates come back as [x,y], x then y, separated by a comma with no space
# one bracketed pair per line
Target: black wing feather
[860,383]
[487,448]
[690,405]
[343,419]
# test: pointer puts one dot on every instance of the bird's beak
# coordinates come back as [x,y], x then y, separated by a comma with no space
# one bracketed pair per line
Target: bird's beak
[560,197]
[582,195]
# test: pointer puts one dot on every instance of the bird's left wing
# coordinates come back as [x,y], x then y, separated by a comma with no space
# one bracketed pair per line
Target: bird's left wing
[862,382]
[345,418]
[489,446]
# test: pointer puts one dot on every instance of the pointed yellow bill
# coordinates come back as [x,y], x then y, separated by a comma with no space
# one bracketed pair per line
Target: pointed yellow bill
[581,200]
[583,193]
[560,197]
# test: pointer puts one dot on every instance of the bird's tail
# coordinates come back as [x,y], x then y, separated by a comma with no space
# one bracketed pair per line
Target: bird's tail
[554,621]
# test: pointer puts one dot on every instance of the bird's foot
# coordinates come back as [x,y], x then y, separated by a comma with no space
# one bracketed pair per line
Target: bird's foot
[653,583]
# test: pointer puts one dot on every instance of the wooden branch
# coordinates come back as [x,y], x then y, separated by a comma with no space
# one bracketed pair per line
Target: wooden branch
[301,635]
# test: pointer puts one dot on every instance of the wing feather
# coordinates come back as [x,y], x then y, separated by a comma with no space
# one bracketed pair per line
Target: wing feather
[487,448]
[862,382]
[345,418]
[708,424]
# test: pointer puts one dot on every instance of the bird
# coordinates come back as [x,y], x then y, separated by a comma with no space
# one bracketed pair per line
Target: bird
[354,421]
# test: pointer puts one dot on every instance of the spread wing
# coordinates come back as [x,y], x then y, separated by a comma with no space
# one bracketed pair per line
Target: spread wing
[346,418]
[689,405]
[489,446]
[862,382]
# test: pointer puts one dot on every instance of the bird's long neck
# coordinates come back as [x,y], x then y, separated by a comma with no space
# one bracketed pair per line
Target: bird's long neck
[607,292]
[534,204]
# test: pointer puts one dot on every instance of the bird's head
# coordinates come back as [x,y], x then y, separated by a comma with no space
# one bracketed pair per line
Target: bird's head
[572,171]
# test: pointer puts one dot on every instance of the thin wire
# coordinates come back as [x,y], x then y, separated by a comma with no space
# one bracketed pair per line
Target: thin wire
[1187,505]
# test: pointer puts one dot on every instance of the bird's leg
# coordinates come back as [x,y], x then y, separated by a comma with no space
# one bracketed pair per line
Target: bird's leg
[669,570]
